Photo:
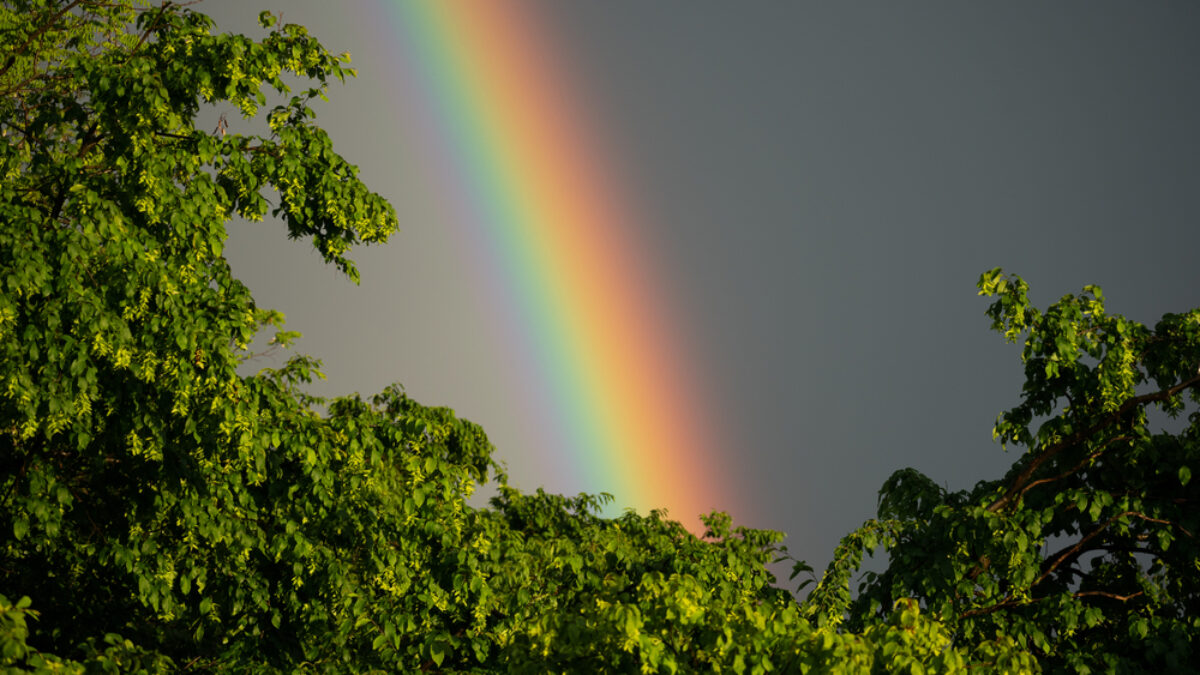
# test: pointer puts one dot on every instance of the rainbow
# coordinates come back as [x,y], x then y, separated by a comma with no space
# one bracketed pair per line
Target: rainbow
[618,391]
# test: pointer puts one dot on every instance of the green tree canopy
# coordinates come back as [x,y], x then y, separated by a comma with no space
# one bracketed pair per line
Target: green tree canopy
[1086,550]
[161,512]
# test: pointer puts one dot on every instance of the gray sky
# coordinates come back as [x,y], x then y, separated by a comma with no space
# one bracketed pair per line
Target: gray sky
[826,183]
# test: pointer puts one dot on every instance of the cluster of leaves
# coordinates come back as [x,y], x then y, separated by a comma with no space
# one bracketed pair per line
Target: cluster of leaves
[160,512]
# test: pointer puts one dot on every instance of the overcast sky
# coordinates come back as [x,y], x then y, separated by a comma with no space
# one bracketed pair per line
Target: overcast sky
[825,183]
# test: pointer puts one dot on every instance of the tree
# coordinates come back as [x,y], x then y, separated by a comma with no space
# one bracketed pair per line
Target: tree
[1086,551]
[148,490]
[160,512]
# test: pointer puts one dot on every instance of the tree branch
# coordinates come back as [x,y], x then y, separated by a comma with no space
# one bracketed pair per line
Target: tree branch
[1015,489]
[1074,551]
[1074,469]
[151,28]
[45,27]
[980,611]
[1106,594]
[1012,602]
[1162,521]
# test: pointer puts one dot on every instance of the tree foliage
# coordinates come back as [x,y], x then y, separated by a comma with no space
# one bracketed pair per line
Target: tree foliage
[161,512]
[1086,551]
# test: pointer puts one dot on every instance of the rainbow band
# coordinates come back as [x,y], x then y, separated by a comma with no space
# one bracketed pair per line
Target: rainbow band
[537,192]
